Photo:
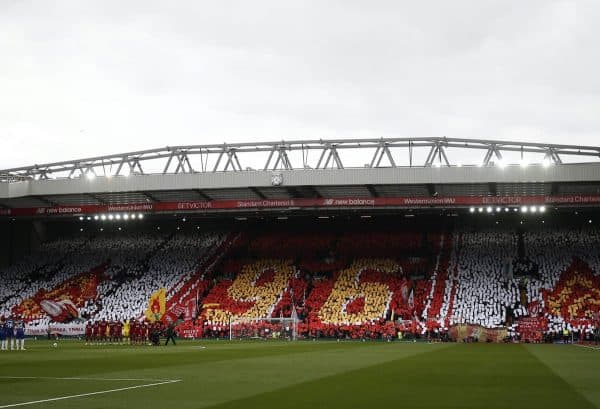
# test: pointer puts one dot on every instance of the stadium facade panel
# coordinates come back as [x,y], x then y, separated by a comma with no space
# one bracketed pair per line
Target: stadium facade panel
[435,181]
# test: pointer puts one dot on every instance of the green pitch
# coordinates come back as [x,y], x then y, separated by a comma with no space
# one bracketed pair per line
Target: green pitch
[247,374]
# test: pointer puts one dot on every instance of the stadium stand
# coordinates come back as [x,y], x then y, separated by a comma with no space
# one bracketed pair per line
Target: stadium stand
[483,292]
[358,284]
[118,272]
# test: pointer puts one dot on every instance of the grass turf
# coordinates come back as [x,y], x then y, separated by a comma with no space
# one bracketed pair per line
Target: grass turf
[247,374]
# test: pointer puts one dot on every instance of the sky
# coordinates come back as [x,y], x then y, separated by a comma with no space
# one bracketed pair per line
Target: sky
[86,78]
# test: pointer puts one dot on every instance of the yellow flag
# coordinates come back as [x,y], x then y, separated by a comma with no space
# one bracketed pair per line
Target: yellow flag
[156,305]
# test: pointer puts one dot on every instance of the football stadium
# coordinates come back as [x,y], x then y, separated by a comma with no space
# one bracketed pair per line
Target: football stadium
[345,273]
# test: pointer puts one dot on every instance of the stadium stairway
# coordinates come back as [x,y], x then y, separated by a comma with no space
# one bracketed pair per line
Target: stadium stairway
[439,279]
[449,295]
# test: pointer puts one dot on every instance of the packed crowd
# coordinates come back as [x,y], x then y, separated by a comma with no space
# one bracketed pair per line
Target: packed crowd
[367,285]
[483,293]
[109,277]
[144,267]
[254,293]
[356,300]
[55,262]
[567,283]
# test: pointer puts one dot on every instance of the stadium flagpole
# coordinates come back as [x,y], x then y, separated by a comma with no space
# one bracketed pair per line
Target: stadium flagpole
[294,322]
[196,307]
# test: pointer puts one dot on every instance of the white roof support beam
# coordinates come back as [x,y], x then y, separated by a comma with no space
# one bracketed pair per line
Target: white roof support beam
[330,154]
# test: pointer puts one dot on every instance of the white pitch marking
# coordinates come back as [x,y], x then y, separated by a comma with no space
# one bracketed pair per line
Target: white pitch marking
[12,405]
[587,346]
[88,379]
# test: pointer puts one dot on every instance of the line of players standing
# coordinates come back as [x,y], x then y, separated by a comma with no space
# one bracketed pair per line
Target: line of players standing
[12,333]
[137,333]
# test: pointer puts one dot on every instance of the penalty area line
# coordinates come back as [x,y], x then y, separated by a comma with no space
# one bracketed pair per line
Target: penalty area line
[81,395]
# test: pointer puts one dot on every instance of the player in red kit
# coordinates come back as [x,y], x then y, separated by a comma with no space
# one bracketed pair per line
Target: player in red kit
[89,335]
[119,332]
[132,332]
[145,332]
[135,331]
[96,332]
[112,335]
[102,329]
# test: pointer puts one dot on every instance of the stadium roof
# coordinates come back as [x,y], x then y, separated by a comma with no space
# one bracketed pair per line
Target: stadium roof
[313,173]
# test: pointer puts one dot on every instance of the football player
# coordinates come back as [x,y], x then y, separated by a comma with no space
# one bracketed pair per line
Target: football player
[20,334]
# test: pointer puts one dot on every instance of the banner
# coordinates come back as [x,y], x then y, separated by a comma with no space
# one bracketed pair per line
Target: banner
[72,329]
[351,202]
[528,324]
[531,328]
[156,305]
[191,332]
[461,332]
[576,295]
[62,303]
[176,312]
[190,311]
[60,311]
[534,308]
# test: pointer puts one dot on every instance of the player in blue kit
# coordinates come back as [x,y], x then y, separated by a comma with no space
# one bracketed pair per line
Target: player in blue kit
[20,334]
[2,335]
[9,327]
